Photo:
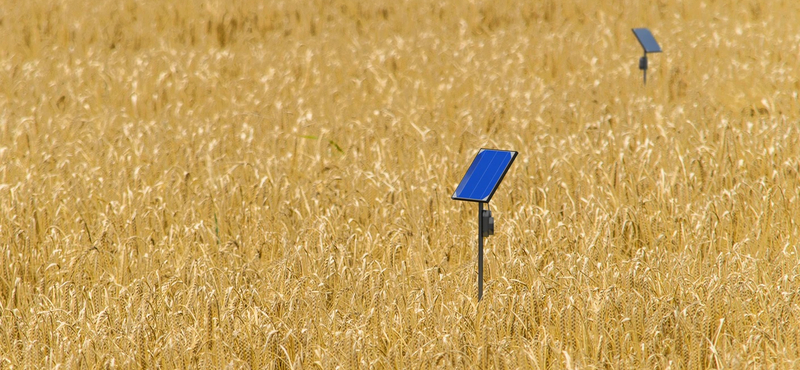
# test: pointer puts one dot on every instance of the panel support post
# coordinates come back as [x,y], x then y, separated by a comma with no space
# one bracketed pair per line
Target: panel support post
[480,251]
[643,66]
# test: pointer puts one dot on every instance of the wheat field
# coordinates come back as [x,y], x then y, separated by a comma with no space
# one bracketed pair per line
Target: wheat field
[266,185]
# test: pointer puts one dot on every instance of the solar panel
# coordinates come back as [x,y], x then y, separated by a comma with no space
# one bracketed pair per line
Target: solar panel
[647,40]
[484,175]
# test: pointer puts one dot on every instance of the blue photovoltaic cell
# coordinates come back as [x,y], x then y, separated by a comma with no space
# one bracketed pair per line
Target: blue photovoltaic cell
[484,175]
[647,40]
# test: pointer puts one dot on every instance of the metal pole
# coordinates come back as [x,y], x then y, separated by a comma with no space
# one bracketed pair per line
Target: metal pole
[480,251]
[645,77]
[644,58]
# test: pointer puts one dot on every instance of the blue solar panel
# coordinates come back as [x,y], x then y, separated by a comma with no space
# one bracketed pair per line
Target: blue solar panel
[484,175]
[647,40]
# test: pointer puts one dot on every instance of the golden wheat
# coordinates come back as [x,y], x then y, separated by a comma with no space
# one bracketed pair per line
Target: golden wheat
[266,184]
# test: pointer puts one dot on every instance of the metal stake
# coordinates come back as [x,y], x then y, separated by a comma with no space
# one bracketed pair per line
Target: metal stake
[480,251]
[643,66]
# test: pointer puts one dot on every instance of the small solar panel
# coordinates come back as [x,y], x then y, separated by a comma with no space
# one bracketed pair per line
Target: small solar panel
[647,40]
[484,175]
